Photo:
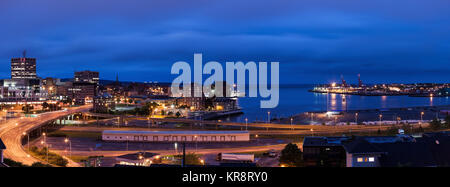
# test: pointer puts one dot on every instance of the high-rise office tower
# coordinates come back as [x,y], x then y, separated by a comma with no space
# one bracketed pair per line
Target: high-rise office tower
[23,68]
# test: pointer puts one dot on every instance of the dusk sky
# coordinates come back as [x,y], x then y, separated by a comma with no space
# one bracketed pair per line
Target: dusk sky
[315,41]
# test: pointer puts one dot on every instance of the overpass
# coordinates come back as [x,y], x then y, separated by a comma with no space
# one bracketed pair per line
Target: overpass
[11,132]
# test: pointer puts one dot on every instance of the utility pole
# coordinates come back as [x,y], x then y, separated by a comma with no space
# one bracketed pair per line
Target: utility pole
[183,162]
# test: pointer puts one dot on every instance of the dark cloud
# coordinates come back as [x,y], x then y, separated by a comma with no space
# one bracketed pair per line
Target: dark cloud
[314,40]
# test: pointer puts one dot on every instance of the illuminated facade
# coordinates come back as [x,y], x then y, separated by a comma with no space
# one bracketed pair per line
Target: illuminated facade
[23,68]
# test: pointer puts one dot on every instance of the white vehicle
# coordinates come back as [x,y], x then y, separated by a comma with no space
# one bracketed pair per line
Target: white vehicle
[236,157]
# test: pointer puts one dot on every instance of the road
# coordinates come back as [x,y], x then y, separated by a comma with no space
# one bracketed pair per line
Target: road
[12,131]
[303,130]
[171,152]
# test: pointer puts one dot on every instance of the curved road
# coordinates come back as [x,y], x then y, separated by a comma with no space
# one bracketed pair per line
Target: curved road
[12,131]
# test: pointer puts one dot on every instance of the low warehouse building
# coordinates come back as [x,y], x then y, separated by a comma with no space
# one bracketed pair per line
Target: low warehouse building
[176,136]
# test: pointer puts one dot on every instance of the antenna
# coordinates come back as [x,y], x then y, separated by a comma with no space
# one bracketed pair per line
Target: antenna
[24,53]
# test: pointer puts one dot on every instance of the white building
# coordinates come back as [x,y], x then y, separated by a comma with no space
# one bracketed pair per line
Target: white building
[137,159]
[176,136]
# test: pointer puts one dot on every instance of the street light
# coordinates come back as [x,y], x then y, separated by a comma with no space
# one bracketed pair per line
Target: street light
[176,148]
[312,132]
[70,146]
[246,123]
[45,137]
[46,145]
[421,117]
[292,127]
[356,118]
[268,116]
[380,119]
[196,144]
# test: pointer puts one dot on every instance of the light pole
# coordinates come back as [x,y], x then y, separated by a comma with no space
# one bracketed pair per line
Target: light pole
[176,148]
[268,117]
[292,127]
[196,144]
[356,118]
[421,117]
[45,137]
[46,145]
[246,124]
[380,120]
[312,132]
[70,146]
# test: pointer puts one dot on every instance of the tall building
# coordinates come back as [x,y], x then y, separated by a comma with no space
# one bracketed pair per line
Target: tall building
[23,68]
[24,85]
[85,87]
[87,77]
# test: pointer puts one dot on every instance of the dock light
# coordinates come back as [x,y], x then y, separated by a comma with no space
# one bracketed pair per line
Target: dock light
[333,84]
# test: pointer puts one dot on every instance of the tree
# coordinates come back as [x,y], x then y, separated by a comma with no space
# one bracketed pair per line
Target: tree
[447,121]
[436,124]
[178,114]
[12,163]
[291,155]
[191,159]
[45,105]
[27,108]
[40,164]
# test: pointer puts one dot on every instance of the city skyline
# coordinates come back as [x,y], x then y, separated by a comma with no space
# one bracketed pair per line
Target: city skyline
[314,42]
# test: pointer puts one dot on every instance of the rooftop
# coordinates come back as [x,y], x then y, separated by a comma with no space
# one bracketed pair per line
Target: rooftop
[174,132]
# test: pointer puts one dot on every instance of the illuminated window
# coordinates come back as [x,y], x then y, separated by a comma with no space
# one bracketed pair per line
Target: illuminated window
[371,159]
[360,159]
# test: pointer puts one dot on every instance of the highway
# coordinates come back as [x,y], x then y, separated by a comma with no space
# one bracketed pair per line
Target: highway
[12,131]
[172,152]
[269,128]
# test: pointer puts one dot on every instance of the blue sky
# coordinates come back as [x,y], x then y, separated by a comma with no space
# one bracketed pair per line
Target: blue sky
[315,41]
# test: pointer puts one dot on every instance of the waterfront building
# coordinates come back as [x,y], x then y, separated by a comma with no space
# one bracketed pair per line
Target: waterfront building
[176,136]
